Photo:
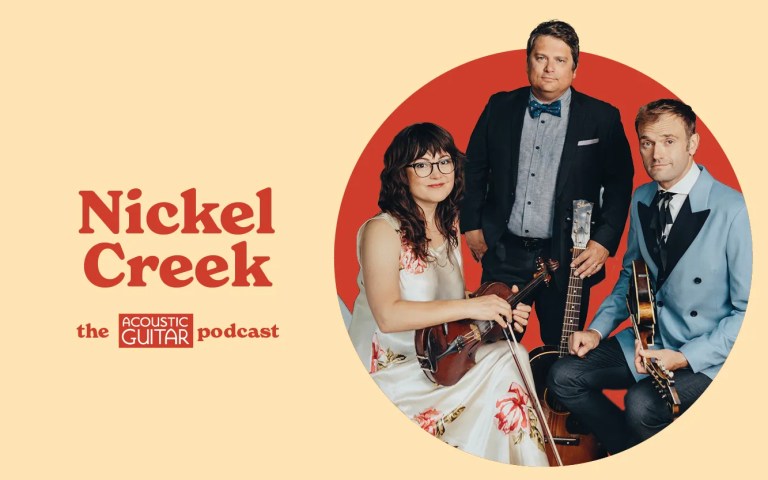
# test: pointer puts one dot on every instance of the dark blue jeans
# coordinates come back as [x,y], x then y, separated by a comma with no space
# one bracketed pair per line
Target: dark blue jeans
[578,384]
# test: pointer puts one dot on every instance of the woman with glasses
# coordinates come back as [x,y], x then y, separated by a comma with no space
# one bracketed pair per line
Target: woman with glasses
[410,278]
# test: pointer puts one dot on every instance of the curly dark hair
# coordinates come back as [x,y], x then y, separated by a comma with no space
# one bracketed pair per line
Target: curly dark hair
[395,196]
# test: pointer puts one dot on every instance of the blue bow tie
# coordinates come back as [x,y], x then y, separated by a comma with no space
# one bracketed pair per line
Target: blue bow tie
[537,108]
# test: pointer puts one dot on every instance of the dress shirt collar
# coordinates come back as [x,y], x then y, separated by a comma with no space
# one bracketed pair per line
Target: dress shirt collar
[685,185]
[565,98]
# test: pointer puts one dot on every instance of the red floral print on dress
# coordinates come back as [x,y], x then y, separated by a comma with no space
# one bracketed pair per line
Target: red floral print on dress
[382,358]
[434,422]
[410,262]
[430,421]
[375,354]
[512,412]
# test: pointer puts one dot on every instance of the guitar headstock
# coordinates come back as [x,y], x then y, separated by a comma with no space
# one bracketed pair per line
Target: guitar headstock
[582,221]
[664,381]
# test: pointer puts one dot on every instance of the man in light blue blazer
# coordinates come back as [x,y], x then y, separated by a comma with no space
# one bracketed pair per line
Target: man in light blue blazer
[697,244]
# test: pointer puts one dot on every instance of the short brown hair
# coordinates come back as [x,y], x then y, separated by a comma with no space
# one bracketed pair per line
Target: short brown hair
[652,111]
[561,31]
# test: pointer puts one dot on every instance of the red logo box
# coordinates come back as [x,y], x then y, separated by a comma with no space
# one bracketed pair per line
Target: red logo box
[156,330]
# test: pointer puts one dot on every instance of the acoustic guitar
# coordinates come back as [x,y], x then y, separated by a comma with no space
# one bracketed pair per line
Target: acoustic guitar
[574,444]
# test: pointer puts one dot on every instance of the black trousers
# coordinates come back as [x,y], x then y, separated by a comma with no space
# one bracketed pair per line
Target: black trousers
[578,384]
[512,261]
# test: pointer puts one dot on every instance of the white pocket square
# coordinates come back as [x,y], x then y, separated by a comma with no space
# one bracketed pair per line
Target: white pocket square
[588,142]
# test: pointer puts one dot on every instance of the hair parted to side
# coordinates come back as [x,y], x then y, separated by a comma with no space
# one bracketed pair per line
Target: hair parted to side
[561,31]
[650,112]
[395,196]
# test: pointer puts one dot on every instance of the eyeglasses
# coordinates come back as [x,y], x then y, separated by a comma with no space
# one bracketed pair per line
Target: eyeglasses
[424,169]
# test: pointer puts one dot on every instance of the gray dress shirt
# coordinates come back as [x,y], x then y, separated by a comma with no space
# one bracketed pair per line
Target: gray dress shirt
[541,146]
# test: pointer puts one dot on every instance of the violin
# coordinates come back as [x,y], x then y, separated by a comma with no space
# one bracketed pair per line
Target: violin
[447,351]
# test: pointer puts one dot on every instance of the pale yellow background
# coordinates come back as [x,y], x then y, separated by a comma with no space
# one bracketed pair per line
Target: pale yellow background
[231,98]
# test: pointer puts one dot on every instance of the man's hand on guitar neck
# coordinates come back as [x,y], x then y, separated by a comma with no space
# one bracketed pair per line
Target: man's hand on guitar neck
[669,360]
[582,342]
[591,260]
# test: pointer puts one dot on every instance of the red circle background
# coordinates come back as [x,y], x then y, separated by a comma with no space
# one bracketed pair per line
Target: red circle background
[455,100]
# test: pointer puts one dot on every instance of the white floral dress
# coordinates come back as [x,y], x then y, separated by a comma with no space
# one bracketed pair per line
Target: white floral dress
[488,412]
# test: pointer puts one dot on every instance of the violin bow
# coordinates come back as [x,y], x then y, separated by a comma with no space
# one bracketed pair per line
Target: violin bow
[510,335]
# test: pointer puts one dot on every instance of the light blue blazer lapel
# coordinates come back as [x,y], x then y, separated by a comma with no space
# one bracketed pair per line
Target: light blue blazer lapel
[689,222]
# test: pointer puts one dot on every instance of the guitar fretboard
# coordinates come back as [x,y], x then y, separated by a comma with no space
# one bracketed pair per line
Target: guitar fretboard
[572,307]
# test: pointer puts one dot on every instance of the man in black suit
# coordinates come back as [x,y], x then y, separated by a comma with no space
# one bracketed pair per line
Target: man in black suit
[533,151]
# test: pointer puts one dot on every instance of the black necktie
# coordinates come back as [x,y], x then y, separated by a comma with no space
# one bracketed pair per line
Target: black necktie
[663,219]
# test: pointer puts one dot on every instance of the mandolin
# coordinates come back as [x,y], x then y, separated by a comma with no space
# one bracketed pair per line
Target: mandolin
[642,310]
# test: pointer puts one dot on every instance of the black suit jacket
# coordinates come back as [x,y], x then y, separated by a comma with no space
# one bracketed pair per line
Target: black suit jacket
[491,172]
